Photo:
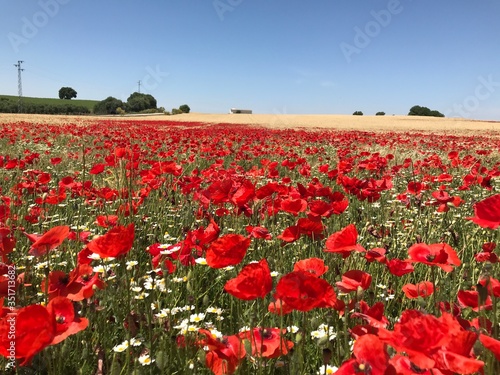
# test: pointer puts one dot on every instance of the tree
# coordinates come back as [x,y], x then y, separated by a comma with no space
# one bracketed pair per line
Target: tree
[67,93]
[417,110]
[108,106]
[184,108]
[358,113]
[138,102]
[380,114]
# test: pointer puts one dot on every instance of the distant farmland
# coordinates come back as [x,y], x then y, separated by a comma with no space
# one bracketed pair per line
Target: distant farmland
[89,104]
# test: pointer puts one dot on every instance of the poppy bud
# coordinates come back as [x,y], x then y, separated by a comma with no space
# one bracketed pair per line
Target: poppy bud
[161,360]
[359,293]
[248,346]
[323,341]
[298,338]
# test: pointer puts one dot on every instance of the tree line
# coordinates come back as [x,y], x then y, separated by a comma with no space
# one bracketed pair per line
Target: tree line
[416,110]
[136,103]
[11,106]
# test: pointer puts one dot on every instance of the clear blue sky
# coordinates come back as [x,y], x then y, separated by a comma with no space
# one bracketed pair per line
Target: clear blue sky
[271,56]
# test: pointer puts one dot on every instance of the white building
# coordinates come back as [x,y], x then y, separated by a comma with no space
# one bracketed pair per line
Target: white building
[245,111]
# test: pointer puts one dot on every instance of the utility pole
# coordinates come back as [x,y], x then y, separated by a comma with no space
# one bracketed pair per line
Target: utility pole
[19,86]
[139,83]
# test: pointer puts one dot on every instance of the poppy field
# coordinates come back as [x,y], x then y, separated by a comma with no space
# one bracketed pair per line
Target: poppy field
[156,247]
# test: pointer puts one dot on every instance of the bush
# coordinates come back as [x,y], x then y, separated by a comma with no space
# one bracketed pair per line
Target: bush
[380,114]
[108,106]
[176,111]
[138,102]
[417,110]
[184,108]
[358,113]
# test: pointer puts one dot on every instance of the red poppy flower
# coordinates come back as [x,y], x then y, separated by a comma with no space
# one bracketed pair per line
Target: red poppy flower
[440,255]
[279,307]
[371,357]
[49,240]
[354,280]
[320,208]
[490,284]
[415,187]
[4,212]
[35,330]
[311,227]
[204,236]
[78,285]
[294,206]
[290,234]
[371,354]
[471,298]
[7,243]
[44,178]
[487,255]
[97,169]
[224,355]
[59,284]
[258,232]
[423,289]
[374,315]
[399,267]
[55,161]
[116,242]
[254,281]
[268,342]
[491,344]
[315,266]
[106,221]
[376,254]
[487,212]
[402,365]
[419,335]
[455,357]
[243,194]
[303,291]
[67,321]
[228,250]
[344,241]
[84,256]
[432,342]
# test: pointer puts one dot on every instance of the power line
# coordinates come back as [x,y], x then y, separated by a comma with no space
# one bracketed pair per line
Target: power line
[139,83]
[19,86]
